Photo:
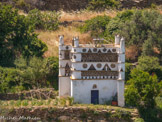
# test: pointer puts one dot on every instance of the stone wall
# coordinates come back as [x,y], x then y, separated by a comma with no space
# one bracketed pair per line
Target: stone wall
[37,94]
[73,114]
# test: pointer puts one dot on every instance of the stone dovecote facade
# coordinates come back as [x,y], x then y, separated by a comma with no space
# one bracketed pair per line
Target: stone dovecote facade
[92,74]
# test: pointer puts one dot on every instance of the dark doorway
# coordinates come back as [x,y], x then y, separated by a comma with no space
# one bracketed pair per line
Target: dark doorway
[94,96]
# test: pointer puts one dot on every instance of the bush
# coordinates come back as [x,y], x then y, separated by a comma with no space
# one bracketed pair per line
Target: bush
[29,74]
[21,4]
[10,79]
[96,26]
[17,37]
[37,72]
[142,89]
[44,20]
[99,5]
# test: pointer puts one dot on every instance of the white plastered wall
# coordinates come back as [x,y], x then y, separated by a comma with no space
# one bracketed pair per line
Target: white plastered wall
[64,86]
[81,90]
[120,91]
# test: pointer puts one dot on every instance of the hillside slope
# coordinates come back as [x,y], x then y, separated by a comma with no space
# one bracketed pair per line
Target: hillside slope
[68,5]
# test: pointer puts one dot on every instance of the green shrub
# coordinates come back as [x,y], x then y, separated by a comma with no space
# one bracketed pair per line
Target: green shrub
[10,78]
[25,103]
[34,102]
[142,89]
[96,26]
[18,37]
[122,114]
[44,20]
[40,102]
[21,4]
[99,5]
[18,103]
[37,71]
[29,74]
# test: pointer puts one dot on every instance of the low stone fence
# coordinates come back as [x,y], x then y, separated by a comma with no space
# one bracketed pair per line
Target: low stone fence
[37,94]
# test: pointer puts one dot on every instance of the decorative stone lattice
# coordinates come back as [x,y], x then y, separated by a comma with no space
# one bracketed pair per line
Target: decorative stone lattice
[121,70]
[67,54]
[99,73]
[106,68]
[112,65]
[99,57]
[114,50]
[95,50]
[84,50]
[104,50]
[67,47]
[109,51]
[91,67]
[99,51]
[89,51]
[74,56]
[67,70]
[85,65]
[99,65]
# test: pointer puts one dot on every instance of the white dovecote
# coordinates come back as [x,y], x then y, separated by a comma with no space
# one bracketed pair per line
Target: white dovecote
[83,65]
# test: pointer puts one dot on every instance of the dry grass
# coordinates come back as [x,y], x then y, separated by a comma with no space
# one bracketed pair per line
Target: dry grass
[84,15]
[51,38]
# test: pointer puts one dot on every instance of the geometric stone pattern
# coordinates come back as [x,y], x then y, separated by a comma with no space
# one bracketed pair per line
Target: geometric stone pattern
[99,73]
[99,57]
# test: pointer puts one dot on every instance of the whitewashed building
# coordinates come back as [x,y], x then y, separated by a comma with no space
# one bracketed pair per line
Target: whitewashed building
[90,73]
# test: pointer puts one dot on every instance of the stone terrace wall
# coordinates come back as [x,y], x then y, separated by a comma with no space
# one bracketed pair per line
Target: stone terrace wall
[37,94]
[74,114]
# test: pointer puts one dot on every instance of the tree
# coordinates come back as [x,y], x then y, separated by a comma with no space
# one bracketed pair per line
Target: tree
[96,26]
[150,65]
[144,30]
[113,26]
[17,37]
[142,89]
[44,20]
